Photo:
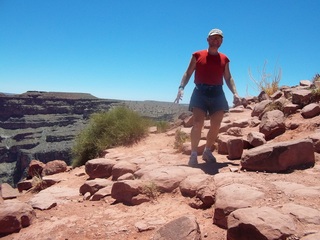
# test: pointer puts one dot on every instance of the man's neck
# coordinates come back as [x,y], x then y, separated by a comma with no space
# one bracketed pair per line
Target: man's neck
[213,51]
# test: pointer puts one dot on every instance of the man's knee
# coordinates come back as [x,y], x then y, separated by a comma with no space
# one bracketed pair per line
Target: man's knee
[217,116]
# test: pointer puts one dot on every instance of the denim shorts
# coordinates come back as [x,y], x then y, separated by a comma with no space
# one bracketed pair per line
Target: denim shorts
[209,98]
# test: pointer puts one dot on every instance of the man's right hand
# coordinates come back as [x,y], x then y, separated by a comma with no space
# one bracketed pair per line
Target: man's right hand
[179,96]
[236,100]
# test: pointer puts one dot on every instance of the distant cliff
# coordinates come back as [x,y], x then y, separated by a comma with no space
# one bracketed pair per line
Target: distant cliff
[43,125]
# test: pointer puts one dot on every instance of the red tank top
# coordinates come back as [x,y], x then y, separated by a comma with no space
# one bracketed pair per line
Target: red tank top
[209,68]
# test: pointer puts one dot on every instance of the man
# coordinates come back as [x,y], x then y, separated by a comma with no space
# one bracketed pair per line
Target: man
[210,67]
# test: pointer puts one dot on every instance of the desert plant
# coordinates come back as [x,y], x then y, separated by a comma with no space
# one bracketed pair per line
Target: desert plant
[316,78]
[151,191]
[162,126]
[118,126]
[269,83]
[38,183]
[315,95]
[316,81]
[275,105]
[180,138]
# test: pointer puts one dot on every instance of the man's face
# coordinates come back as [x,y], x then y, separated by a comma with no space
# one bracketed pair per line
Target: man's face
[214,41]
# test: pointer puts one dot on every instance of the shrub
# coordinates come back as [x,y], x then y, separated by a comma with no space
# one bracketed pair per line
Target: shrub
[119,126]
[38,184]
[315,89]
[315,95]
[151,191]
[316,78]
[180,138]
[275,105]
[162,126]
[269,83]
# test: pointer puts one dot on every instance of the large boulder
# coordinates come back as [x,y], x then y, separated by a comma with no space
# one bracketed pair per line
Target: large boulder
[306,215]
[25,185]
[201,188]
[290,108]
[272,124]
[278,157]
[192,184]
[259,108]
[54,167]
[235,148]
[259,224]
[311,110]
[99,167]
[15,215]
[183,228]
[256,139]
[52,196]
[92,186]
[222,141]
[126,191]
[232,197]
[166,178]
[301,97]
[8,192]
[121,168]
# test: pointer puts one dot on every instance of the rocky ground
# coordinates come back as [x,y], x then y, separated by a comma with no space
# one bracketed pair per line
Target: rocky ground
[76,218]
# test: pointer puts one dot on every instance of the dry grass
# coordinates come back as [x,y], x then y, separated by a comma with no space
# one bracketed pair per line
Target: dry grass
[151,191]
[316,78]
[269,83]
[180,139]
[38,184]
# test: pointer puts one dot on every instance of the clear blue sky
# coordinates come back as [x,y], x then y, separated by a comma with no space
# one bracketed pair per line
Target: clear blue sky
[139,50]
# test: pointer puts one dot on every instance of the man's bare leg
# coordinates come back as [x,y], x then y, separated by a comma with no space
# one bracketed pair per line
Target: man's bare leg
[198,120]
[215,122]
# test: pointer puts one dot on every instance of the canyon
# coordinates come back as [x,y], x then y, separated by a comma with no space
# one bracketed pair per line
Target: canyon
[43,125]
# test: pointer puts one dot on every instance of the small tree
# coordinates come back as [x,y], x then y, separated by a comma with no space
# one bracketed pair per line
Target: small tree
[269,83]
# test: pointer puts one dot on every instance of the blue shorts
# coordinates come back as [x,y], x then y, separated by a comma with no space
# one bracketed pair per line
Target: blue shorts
[210,99]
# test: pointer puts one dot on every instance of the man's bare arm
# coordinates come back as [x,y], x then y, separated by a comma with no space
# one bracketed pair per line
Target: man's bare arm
[229,80]
[187,75]
[185,79]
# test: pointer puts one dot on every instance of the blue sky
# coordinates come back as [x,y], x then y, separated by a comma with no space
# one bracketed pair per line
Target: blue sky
[139,50]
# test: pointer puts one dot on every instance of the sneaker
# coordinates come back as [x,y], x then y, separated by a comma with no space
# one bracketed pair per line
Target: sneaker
[208,157]
[193,161]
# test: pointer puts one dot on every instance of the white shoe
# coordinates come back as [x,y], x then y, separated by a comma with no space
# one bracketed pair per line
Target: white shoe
[208,157]
[193,161]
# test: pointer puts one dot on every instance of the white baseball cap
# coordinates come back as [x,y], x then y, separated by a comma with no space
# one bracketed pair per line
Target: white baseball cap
[215,31]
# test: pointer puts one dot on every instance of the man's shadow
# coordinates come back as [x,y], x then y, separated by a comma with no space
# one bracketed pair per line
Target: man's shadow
[213,168]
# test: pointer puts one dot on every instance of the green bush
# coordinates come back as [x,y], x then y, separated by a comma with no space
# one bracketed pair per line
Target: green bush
[119,126]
